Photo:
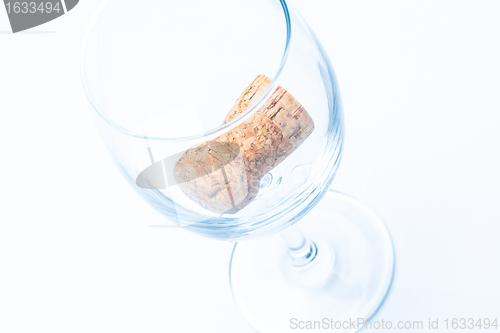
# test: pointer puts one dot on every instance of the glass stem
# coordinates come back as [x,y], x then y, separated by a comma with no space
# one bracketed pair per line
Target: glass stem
[301,251]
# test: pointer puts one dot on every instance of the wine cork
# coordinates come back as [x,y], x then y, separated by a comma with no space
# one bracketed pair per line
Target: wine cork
[224,175]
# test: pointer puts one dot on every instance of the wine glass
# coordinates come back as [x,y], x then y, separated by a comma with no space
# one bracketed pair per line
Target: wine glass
[225,116]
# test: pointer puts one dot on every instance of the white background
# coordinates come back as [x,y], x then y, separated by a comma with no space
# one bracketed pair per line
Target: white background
[420,82]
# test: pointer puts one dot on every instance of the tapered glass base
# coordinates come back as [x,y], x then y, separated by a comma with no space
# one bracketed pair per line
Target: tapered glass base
[344,285]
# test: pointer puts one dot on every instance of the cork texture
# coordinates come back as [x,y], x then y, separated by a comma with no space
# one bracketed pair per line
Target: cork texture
[224,175]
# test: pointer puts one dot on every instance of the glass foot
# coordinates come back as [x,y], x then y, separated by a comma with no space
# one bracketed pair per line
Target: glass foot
[344,285]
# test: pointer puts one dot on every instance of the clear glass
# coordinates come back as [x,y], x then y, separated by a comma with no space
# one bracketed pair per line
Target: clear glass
[345,280]
[165,79]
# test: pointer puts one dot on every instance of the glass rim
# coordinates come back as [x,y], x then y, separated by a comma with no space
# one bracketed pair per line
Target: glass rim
[215,132]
